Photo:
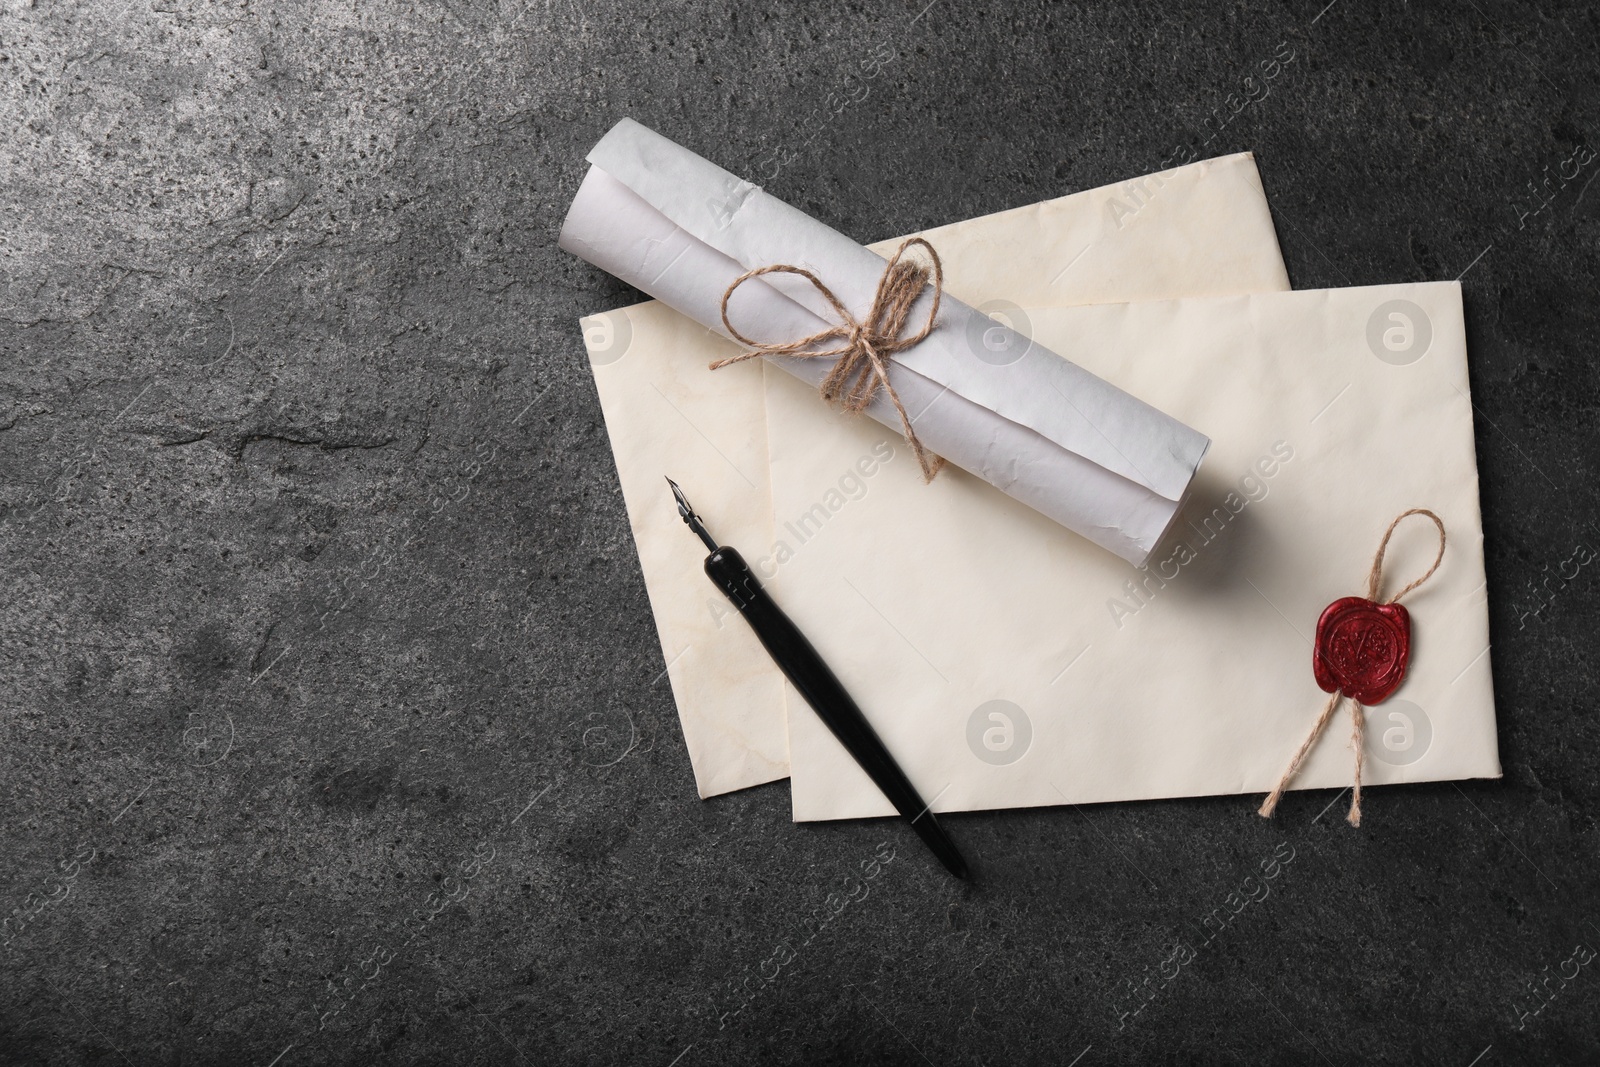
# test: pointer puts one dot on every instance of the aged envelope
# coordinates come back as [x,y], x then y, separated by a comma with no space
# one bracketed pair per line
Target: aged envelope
[1199,229]
[1008,664]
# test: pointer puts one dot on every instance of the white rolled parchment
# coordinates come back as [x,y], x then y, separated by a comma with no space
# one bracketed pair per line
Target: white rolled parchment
[1043,430]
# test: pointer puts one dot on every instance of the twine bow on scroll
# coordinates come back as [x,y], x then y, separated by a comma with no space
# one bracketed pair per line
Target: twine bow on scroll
[864,347]
[1360,655]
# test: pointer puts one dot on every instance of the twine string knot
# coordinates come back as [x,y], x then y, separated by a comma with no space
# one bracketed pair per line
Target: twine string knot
[863,347]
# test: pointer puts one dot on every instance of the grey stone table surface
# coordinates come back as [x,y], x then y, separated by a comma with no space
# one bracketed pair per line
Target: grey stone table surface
[334,724]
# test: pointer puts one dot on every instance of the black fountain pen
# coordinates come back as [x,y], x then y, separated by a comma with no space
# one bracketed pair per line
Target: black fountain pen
[801,664]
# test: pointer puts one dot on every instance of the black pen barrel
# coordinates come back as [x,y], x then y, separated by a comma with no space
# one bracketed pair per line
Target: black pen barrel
[801,664]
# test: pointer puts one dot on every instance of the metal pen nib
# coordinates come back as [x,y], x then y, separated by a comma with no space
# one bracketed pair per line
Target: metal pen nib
[690,519]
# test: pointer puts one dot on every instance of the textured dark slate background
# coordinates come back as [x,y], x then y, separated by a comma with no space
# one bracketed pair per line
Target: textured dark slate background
[333,722]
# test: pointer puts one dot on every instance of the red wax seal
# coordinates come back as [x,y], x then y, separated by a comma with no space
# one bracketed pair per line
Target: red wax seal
[1362,649]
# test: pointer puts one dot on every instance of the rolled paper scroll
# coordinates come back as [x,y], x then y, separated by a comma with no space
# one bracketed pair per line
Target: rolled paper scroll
[1039,428]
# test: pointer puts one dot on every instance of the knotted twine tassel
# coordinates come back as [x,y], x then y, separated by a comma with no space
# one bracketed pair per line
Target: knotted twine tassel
[1357,712]
[865,347]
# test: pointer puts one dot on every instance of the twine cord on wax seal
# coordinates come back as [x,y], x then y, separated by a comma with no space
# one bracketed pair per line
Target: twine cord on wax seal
[863,347]
[1360,655]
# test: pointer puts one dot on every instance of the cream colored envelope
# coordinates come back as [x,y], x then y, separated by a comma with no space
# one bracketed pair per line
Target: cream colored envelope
[1006,663]
[1199,229]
